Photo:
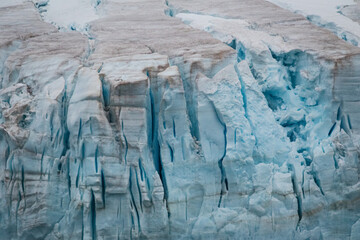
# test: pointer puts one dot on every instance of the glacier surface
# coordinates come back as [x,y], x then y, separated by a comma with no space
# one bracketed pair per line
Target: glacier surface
[145,119]
[329,14]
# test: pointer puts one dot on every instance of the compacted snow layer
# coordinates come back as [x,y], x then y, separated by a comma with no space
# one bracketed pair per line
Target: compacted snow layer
[124,119]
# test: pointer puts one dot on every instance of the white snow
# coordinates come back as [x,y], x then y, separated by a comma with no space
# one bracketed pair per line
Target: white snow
[70,14]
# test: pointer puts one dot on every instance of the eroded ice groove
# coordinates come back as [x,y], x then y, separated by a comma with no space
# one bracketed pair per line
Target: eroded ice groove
[228,123]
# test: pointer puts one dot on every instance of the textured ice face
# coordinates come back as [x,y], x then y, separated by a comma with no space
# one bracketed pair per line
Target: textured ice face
[181,120]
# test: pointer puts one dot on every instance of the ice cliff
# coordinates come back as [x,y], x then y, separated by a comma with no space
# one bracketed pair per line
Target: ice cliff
[145,119]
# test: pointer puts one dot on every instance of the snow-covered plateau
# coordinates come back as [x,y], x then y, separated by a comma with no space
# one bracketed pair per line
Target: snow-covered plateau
[179,119]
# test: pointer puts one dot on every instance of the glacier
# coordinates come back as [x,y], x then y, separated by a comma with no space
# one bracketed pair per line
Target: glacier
[177,119]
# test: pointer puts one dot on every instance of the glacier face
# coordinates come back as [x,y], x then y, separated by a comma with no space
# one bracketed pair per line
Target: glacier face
[180,119]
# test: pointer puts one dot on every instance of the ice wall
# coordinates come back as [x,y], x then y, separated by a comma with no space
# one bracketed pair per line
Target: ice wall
[176,120]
